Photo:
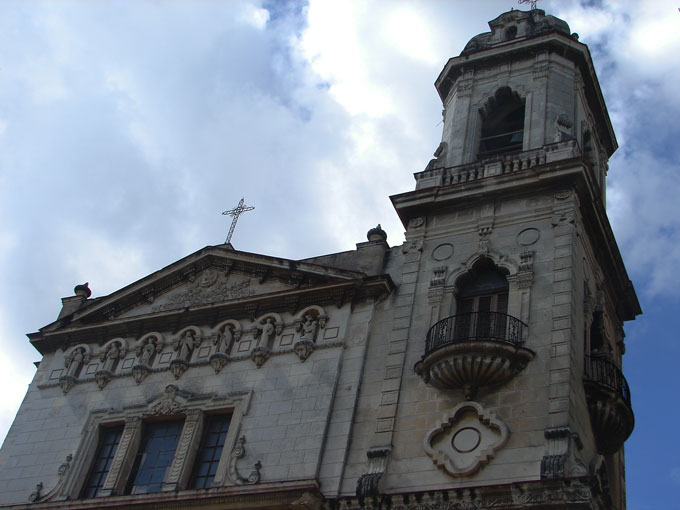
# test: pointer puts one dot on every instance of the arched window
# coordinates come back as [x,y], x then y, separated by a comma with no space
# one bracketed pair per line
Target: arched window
[482,302]
[502,123]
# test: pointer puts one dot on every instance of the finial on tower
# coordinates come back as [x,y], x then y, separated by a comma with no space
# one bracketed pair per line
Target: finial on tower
[235,213]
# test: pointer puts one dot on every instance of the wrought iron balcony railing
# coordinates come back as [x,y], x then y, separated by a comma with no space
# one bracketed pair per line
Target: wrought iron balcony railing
[466,327]
[603,372]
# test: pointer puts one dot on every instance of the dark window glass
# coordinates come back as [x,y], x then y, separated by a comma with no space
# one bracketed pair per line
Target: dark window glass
[155,454]
[482,303]
[210,451]
[108,444]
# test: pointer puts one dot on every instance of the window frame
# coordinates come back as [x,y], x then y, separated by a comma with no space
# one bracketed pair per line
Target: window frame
[172,404]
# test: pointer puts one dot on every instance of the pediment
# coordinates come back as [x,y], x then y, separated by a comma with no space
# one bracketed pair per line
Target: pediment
[211,285]
[216,275]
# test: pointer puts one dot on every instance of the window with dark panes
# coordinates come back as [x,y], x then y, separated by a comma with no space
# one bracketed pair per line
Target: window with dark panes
[210,450]
[155,454]
[482,303]
[108,444]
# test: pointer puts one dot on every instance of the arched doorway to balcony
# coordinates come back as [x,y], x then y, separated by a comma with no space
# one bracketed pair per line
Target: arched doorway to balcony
[482,302]
[479,344]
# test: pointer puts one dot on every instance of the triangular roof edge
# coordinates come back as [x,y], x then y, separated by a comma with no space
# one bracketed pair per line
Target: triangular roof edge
[274,263]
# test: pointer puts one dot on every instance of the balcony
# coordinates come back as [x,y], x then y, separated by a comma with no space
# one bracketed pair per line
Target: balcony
[608,397]
[493,163]
[473,350]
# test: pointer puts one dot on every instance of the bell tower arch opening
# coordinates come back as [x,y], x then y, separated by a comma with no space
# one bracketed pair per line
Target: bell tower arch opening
[502,123]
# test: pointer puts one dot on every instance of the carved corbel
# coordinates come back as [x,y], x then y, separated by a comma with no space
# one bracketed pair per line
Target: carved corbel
[259,355]
[368,484]
[560,459]
[178,367]
[67,382]
[484,231]
[140,372]
[102,377]
[218,361]
[303,349]
[238,452]
[438,276]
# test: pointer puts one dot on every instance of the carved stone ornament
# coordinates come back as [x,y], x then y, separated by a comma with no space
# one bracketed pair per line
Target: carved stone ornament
[67,382]
[560,459]
[211,287]
[562,218]
[34,497]
[168,403]
[438,276]
[218,361]
[102,377]
[517,496]
[415,245]
[178,367]
[466,439]
[238,452]
[416,223]
[484,235]
[368,483]
[259,355]
[303,349]
[140,372]
[37,496]
[563,194]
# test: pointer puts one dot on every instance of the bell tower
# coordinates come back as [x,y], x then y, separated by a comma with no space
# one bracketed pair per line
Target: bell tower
[524,292]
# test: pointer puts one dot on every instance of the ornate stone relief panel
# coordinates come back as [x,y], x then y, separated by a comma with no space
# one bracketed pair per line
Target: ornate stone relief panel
[466,439]
[270,334]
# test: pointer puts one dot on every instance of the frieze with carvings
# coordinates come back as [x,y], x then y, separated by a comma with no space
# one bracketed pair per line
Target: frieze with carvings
[211,287]
[229,341]
[557,494]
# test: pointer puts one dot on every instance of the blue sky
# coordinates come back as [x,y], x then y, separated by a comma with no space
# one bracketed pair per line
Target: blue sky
[126,128]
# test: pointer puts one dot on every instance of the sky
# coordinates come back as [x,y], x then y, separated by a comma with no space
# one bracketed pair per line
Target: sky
[126,128]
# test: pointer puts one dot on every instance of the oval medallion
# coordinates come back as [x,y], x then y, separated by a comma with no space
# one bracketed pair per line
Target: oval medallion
[528,236]
[442,252]
[466,440]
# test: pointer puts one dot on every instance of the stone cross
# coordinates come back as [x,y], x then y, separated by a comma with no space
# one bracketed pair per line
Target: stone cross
[532,3]
[235,213]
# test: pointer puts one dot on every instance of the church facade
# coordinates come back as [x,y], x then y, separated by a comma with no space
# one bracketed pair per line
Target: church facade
[475,366]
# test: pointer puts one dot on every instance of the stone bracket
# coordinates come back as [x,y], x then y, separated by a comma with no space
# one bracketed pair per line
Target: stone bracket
[368,483]
[560,460]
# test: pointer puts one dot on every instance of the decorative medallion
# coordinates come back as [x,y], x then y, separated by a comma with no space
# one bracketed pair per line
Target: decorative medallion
[416,222]
[442,252]
[208,277]
[528,236]
[466,439]
[563,194]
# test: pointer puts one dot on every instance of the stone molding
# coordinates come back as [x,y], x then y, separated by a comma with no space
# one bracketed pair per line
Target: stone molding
[566,494]
[172,402]
[466,439]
